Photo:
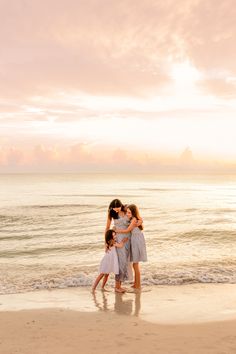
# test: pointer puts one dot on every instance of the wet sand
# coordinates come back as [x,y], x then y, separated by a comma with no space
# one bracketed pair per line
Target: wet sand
[186,319]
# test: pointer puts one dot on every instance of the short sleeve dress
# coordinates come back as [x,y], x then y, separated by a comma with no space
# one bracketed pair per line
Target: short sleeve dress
[123,253]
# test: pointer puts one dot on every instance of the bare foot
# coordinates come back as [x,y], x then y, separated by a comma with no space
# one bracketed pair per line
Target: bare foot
[119,290]
[123,289]
[136,287]
[137,290]
[105,290]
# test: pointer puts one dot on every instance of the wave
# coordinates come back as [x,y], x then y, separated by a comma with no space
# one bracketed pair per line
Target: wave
[171,189]
[217,211]
[206,236]
[55,206]
[111,196]
[50,251]
[220,221]
[223,210]
[38,214]
[213,272]
[11,219]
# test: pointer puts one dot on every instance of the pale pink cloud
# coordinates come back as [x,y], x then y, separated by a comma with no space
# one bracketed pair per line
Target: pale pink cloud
[100,48]
[109,47]
[11,157]
[58,57]
[219,87]
[84,158]
[208,33]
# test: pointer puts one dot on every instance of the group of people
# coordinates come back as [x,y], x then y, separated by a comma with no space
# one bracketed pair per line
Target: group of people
[124,244]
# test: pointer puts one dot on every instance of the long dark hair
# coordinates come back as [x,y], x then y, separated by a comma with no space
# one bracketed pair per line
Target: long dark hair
[109,238]
[116,203]
[135,213]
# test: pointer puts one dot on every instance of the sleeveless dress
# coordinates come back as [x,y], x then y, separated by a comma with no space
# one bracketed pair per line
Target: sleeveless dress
[138,246]
[123,253]
[109,262]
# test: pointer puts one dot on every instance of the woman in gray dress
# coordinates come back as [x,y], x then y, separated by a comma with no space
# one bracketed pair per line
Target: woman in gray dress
[138,245]
[117,214]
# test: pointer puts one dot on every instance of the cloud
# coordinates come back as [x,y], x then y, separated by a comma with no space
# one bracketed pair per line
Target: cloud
[96,47]
[208,36]
[88,158]
[104,47]
[101,71]
[222,87]
[108,47]
[186,158]
[11,158]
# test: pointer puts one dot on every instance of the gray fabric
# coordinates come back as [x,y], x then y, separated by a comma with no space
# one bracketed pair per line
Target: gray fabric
[138,246]
[124,252]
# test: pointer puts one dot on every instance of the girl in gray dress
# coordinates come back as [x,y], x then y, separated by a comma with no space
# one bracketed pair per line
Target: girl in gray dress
[138,246]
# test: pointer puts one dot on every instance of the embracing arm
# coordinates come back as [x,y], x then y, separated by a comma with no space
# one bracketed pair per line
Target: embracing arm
[121,244]
[130,228]
[139,222]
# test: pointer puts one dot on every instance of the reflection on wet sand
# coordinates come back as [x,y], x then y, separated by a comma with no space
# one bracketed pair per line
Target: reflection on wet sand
[123,304]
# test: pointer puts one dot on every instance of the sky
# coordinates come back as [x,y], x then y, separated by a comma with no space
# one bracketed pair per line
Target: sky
[118,86]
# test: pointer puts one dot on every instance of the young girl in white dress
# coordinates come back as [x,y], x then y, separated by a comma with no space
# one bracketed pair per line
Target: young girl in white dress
[109,263]
[138,245]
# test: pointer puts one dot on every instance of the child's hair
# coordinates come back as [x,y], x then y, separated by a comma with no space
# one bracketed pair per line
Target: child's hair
[116,203]
[109,238]
[135,213]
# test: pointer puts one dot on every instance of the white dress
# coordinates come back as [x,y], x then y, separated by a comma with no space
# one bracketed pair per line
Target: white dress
[109,262]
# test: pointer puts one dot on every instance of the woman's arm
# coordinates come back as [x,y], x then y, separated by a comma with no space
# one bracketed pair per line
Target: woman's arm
[130,228]
[107,228]
[108,225]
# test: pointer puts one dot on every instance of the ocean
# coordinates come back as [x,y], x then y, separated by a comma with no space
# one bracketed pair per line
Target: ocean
[52,228]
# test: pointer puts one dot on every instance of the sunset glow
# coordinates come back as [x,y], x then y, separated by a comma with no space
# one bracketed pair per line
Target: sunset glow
[134,83]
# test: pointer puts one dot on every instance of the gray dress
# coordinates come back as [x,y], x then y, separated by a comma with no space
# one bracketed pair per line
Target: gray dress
[123,253]
[138,246]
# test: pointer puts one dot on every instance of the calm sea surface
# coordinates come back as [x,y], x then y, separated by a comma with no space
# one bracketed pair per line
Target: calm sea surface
[52,228]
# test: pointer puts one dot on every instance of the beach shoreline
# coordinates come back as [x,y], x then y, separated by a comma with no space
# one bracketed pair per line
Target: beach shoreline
[165,319]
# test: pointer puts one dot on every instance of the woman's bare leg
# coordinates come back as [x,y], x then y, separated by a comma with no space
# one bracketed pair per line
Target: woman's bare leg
[118,288]
[118,284]
[99,277]
[137,276]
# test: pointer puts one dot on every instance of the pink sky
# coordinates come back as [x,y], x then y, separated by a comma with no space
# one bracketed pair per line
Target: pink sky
[117,85]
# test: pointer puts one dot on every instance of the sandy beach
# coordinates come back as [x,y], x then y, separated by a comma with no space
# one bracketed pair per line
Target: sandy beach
[185,319]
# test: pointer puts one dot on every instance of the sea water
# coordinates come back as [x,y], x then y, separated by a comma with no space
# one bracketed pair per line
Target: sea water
[52,228]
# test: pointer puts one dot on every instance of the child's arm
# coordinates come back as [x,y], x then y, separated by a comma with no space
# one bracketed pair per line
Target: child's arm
[130,228]
[121,244]
[139,222]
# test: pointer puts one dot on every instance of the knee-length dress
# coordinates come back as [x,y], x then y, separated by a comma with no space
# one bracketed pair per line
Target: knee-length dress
[123,253]
[109,262]
[138,246]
